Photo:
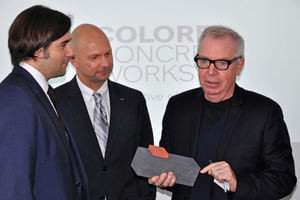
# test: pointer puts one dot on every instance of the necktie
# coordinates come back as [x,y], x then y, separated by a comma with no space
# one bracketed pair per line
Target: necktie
[100,123]
[52,95]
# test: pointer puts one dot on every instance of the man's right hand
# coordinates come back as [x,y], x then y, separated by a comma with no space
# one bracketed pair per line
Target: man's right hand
[164,180]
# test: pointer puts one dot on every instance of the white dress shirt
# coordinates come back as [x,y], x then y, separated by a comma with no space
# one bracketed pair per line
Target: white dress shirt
[89,100]
[39,77]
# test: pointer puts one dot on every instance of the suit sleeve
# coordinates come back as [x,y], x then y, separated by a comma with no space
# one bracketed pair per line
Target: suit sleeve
[17,144]
[165,137]
[145,138]
[276,178]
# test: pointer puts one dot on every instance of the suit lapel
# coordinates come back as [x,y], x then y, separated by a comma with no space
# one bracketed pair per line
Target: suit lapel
[41,96]
[76,105]
[232,119]
[44,100]
[195,112]
[116,103]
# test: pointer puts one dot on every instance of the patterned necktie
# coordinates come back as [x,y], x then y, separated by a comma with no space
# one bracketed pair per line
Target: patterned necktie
[100,123]
[52,95]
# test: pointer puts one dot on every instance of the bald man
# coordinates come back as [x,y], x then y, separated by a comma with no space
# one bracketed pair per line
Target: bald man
[108,129]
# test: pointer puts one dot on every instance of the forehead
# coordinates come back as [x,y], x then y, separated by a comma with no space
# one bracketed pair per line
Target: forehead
[218,48]
[96,44]
[64,39]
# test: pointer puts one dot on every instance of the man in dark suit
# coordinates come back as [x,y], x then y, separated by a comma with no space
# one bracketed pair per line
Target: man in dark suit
[106,149]
[38,158]
[243,133]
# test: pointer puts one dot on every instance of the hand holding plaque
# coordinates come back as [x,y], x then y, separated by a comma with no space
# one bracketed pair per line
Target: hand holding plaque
[156,162]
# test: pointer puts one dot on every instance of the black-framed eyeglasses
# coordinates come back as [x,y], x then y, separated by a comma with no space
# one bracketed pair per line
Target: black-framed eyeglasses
[204,63]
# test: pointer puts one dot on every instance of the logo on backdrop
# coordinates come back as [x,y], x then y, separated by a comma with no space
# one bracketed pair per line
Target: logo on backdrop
[154,54]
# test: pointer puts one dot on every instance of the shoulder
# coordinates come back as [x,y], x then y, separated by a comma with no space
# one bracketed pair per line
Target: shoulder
[15,85]
[17,101]
[64,87]
[120,89]
[187,96]
[67,90]
[251,97]
[13,93]
[255,103]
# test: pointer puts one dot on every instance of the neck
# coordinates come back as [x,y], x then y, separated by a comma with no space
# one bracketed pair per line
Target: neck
[33,63]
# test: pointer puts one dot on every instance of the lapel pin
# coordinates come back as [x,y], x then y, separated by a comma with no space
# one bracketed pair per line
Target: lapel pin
[122,99]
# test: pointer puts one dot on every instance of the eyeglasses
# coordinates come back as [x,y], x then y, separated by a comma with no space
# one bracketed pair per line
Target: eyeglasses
[204,63]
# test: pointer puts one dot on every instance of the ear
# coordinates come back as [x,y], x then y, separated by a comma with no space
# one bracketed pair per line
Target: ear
[240,66]
[39,53]
[74,62]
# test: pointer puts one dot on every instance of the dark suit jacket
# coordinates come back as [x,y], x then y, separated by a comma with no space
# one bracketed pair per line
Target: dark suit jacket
[36,159]
[254,141]
[129,128]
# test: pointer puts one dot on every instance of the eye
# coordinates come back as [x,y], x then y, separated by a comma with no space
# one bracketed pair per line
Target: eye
[108,53]
[64,45]
[203,61]
[222,62]
[94,57]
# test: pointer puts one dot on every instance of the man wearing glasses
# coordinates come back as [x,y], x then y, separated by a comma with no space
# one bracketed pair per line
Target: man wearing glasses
[237,137]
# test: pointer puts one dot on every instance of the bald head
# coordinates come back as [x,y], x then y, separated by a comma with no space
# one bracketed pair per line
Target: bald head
[93,57]
[87,35]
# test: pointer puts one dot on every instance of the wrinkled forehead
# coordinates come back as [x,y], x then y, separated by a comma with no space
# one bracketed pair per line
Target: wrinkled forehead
[92,46]
[217,47]
[219,36]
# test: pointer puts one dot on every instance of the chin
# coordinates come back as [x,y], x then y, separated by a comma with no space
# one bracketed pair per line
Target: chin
[210,91]
[61,73]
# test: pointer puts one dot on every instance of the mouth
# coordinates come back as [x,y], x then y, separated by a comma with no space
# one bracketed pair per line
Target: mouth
[104,70]
[212,83]
[66,61]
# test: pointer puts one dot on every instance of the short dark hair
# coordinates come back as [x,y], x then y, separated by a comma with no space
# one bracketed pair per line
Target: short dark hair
[34,28]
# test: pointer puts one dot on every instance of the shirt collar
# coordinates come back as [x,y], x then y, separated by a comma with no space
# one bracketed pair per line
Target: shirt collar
[37,75]
[87,92]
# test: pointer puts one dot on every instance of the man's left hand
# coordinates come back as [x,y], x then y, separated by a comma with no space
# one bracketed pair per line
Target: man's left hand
[221,171]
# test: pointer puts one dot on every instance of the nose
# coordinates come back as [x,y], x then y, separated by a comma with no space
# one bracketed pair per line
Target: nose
[70,51]
[103,61]
[212,70]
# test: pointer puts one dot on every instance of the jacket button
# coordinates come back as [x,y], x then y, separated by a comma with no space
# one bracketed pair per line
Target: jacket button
[105,168]
[77,184]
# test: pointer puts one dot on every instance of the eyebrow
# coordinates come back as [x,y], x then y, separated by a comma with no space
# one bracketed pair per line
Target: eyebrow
[66,41]
[96,54]
[211,59]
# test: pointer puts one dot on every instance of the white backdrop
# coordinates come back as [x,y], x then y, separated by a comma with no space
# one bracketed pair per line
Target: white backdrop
[154,43]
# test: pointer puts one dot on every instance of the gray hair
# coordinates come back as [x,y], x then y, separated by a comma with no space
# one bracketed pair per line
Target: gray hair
[219,31]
